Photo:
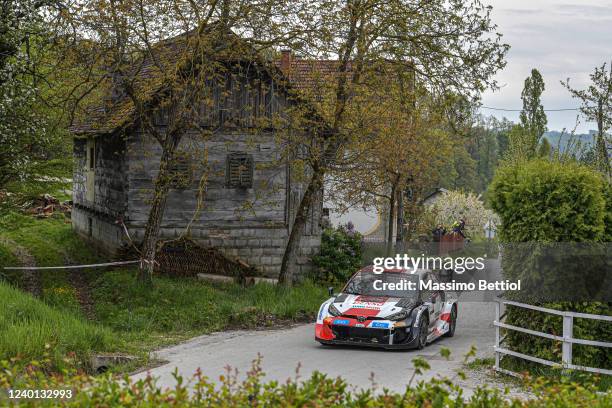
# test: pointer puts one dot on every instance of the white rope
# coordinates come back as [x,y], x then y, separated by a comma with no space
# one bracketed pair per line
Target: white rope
[15,268]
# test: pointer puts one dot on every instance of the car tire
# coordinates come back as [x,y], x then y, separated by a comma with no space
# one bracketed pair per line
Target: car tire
[452,323]
[423,332]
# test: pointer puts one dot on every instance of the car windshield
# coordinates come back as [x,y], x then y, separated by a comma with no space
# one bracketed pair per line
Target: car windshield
[391,284]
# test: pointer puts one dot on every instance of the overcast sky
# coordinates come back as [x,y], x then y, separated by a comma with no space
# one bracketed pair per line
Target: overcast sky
[561,39]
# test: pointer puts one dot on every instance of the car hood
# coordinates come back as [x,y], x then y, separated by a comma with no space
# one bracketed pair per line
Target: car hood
[371,306]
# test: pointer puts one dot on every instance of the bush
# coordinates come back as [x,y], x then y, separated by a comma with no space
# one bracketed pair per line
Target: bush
[546,201]
[340,255]
[318,390]
[544,206]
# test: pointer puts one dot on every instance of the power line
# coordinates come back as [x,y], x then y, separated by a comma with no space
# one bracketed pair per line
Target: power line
[520,110]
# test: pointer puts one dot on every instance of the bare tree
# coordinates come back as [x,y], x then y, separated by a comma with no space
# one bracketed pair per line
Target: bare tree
[596,106]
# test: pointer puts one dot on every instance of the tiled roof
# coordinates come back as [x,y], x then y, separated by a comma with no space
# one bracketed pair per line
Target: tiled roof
[309,74]
[112,114]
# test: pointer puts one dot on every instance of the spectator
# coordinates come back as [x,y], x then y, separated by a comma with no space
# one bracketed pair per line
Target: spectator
[438,233]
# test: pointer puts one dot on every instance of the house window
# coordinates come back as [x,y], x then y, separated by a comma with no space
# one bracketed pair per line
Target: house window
[180,172]
[92,157]
[239,170]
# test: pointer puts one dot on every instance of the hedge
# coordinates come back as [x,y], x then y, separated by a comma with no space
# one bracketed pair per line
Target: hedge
[555,220]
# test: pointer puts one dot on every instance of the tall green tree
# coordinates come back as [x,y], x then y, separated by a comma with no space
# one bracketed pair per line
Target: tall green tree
[532,117]
[596,106]
[450,45]
[25,142]
[524,137]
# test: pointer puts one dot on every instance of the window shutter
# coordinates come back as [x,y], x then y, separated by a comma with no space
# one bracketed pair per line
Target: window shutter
[239,170]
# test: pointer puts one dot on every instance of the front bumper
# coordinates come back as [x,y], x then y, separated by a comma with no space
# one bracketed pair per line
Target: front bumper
[390,338]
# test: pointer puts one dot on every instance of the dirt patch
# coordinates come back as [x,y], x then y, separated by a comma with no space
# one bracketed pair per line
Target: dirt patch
[475,377]
[83,292]
[79,281]
[30,279]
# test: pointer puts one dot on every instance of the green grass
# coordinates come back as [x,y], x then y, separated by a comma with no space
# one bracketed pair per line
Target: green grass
[602,382]
[177,308]
[480,363]
[51,242]
[30,329]
[137,318]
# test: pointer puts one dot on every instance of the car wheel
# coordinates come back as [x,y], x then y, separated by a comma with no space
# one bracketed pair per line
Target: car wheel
[452,323]
[423,328]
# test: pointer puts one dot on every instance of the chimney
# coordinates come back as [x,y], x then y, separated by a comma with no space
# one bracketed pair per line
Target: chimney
[285,62]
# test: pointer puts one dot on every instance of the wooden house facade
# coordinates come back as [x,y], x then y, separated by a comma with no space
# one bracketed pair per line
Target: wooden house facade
[244,206]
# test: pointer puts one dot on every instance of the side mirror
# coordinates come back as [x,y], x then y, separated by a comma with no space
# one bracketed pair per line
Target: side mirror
[330,290]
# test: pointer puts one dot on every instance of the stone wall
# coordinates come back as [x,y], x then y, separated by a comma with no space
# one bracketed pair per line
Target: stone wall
[98,230]
[261,248]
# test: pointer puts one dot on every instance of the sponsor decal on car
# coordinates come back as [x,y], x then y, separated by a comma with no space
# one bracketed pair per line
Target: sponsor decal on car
[368,306]
[372,301]
[379,325]
[341,322]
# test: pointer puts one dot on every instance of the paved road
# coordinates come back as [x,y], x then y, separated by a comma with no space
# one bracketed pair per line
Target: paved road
[282,350]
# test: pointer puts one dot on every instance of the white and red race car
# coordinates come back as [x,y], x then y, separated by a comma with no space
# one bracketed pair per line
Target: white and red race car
[393,309]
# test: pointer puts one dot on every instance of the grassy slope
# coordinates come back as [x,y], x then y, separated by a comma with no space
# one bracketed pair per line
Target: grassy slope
[179,308]
[29,329]
[139,318]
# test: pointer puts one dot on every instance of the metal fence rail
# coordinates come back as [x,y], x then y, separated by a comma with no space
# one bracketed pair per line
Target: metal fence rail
[567,339]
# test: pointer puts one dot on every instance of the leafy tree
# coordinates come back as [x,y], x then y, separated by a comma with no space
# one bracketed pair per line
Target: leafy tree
[460,205]
[461,169]
[390,150]
[597,107]
[26,142]
[544,149]
[525,136]
[452,46]
[532,117]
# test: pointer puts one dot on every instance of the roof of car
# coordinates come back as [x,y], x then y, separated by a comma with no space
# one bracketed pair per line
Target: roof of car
[419,272]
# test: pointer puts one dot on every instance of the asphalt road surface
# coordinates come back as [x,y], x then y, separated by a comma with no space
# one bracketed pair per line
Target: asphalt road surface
[283,349]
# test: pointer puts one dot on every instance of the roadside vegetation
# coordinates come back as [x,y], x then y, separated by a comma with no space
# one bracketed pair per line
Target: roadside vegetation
[317,390]
[119,314]
[31,329]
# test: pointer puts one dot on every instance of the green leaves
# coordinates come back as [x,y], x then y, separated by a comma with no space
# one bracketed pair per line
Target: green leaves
[340,255]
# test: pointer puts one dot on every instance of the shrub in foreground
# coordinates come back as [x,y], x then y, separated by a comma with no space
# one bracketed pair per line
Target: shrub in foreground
[316,391]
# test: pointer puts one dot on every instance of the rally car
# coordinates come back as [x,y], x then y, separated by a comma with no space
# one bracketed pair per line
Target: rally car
[394,309]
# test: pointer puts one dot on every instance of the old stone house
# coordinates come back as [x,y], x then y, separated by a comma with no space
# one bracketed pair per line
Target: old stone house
[250,196]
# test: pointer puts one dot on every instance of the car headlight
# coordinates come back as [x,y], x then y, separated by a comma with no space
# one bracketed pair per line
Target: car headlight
[401,315]
[333,310]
